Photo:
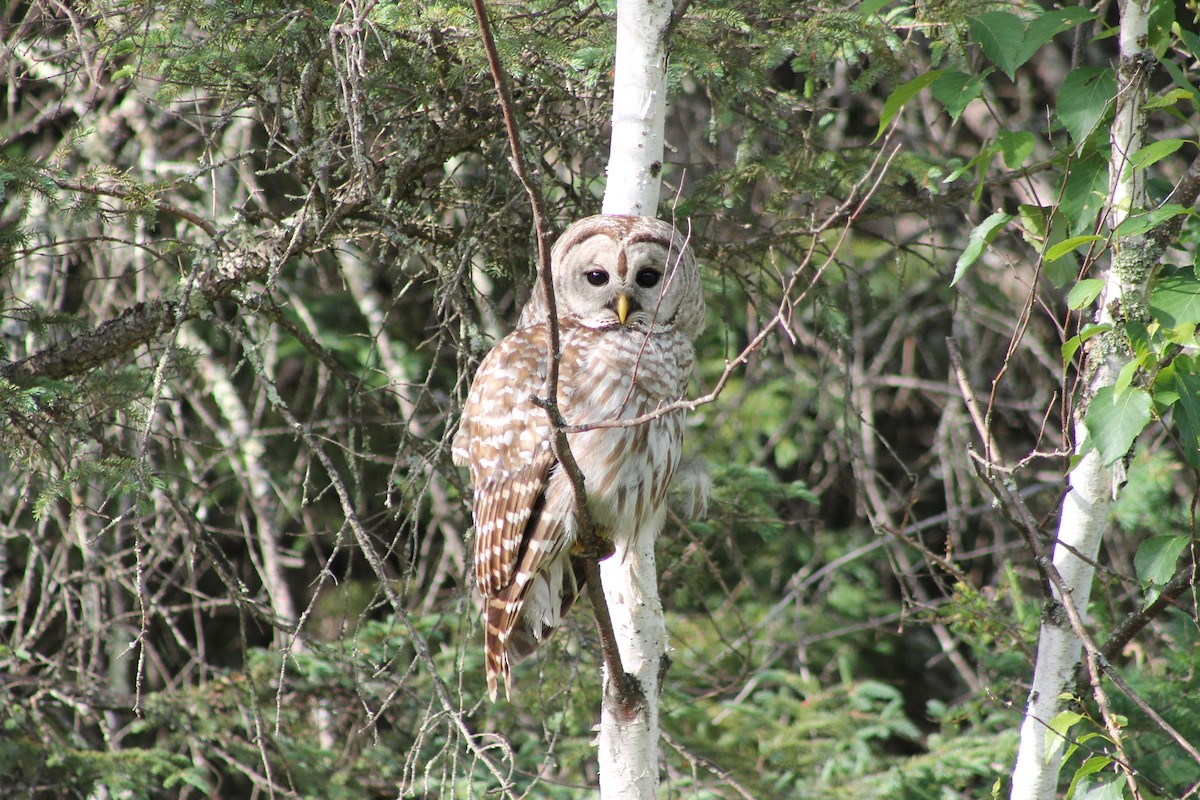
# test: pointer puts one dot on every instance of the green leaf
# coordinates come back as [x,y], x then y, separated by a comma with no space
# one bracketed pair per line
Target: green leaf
[1084,99]
[1125,377]
[1083,293]
[1155,151]
[1190,39]
[1113,421]
[1067,245]
[902,95]
[1156,558]
[1112,790]
[1089,767]
[1180,79]
[1187,409]
[1168,100]
[980,237]
[1085,192]
[1033,223]
[1044,28]
[1016,147]
[955,90]
[1061,723]
[1001,34]
[1064,721]
[1072,345]
[869,7]
[1175,299]
[1142,223]
[1042,230]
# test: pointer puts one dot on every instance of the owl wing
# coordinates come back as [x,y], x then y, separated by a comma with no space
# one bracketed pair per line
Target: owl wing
[505,440]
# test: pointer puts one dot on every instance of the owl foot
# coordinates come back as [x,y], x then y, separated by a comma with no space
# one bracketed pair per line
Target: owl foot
[600,548]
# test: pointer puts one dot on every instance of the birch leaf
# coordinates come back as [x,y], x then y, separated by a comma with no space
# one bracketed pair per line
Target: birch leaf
[1187,411]
[1000,34]
[1083,100]
[902,95]
[1175,299]
[1083,293]
[1071,346]
[1016,146]
[1154,152]
[955,90]
[1142,223]
[1113,421]
[1067,245]
[1044,28]
[1156,558]
[980,237]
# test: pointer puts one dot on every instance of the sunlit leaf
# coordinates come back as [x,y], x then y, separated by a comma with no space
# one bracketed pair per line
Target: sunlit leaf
[1016,146]
[1083,293]
[1142,223]
[1153,152]
[1114,420]
[1175,299]
[1067,245]
[1156,558]
[1072,345]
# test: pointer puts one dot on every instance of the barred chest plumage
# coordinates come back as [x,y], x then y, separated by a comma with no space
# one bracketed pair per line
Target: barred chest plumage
[622,374]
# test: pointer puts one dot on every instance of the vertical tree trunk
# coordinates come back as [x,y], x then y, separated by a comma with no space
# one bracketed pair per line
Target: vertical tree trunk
[639,108]
[629,746]
[1092,485]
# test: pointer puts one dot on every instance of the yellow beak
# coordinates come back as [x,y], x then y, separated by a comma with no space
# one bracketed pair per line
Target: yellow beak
[622,307]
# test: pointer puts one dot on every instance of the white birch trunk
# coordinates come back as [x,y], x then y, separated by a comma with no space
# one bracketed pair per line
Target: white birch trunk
[639,108]
[628,756]
[1092,486]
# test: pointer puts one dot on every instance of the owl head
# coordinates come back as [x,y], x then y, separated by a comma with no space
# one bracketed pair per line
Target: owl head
[615,270]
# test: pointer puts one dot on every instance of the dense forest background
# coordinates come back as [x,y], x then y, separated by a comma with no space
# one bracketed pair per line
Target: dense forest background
[252,252]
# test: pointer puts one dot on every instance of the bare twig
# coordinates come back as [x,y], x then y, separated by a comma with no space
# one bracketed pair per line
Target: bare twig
[122,193]
[376,563]
[699,760]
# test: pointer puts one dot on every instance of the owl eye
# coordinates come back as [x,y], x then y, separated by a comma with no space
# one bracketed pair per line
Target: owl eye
[648,278]
[596,277]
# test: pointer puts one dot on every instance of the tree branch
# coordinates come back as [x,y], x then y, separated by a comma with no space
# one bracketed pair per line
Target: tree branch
[1185,577]
[234,267]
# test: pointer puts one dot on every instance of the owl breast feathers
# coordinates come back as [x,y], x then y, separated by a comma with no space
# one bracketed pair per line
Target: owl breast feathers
[629,305]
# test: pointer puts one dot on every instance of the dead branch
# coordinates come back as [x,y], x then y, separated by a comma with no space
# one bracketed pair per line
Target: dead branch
[234,266]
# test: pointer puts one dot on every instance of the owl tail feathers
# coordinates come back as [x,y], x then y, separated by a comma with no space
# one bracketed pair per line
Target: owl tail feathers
[522,617]
[497,626]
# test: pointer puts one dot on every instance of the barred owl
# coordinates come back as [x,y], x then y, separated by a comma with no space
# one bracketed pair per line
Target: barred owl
[629,305]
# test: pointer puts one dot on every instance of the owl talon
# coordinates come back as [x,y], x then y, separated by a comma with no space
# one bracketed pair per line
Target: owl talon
[604,547]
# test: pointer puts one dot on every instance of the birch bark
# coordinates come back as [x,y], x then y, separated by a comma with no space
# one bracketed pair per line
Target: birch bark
[628,756]
[1091,485]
